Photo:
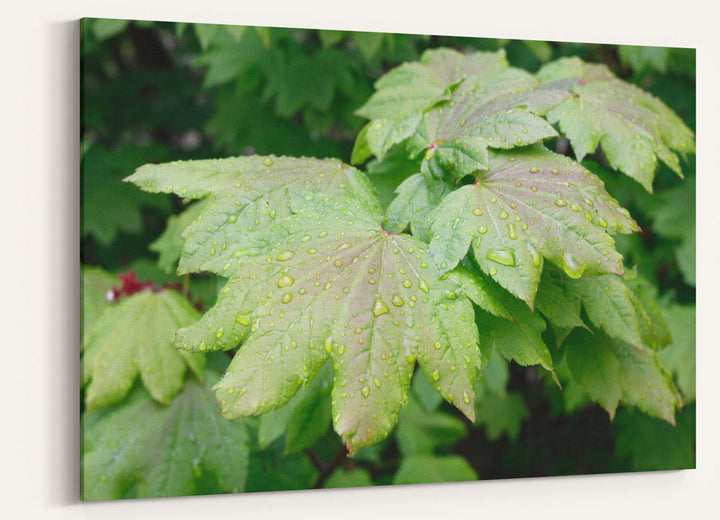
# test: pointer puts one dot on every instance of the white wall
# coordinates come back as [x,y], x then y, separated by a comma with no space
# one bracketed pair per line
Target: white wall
[39,255]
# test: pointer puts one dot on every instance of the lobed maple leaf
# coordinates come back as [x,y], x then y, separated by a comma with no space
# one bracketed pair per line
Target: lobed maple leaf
[243,195]
[135,338]
[335,285]
[633,127]
[531,204]
[163,450]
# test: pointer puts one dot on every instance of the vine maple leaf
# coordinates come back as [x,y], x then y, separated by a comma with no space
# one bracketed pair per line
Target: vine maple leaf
[132,338]
[243,195]
[334,285]
[404,93]
[164,450]
[531,204]
[633,127]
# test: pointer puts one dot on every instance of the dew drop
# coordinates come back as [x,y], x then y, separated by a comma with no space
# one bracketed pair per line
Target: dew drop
[285,255]
[407,284]
[534,169]
[285,281]
[365,391]
[511,231]
[561,203]
[268,161]
[397,301]
[377,382]
[242,320]
[501,256]
[571,266]
[477,211]
[436,375]
[466,397]
[423,285]
[503,215]
[380,308]
[286,298]
[482,230]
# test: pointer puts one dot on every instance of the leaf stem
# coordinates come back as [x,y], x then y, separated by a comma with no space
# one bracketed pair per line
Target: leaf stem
[325,470]
[186,286]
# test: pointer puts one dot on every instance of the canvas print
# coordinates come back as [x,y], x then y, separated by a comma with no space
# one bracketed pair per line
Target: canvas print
[319,259]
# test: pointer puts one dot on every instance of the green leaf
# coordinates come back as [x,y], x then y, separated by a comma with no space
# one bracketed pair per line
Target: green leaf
[612,371]
[558,304]
[417,197]
[424,393]
[345,478]
[244,195]
[501,415]
[673,214]
[425,469]
[330,38]
[205,33]
[623,309]
[642,59]
[163,450]
[596,369]
[96,283]
[169,245]
[519,340]
[633,127]
[311,417]
[305,418]
[500,109]
[479,291]
[113,207]
[529,205]
[227,59]
[495,376]
[680,355]
[335,285]
[404,93]
[422,432]
[368,43]
[135,337]
[273,424]
[663,446]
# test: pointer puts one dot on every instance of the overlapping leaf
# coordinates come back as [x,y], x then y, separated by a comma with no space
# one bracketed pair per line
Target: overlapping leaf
[163,450]
[500,109]
[417,197]
[531,204]
[633,128]
[244,195]
[404,93]
[612,371]
[334,284]
[622,307]
[135,338]
[519,340]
